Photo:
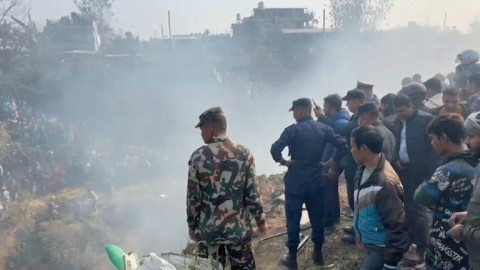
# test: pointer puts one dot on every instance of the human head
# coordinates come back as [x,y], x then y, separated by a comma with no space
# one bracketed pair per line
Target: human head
[417,78]
[354,99]
[368,114]
[212,123]
[434,87]
[473,84]
[445,131]
[386,104]
[403,107]
[301,108]
[332,104]
[451,99]
[472,127]
[468,57]
[366,142]
[440,77]
[406,81]
[416,92]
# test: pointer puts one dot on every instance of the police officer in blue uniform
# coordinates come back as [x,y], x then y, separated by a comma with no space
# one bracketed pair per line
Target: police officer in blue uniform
[304,180]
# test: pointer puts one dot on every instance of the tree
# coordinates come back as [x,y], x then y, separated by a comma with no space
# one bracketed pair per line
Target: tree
[359,15]
[10,8]
[100,11]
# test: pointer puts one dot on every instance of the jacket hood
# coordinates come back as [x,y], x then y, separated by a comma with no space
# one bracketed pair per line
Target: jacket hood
[467,156]
[342,115]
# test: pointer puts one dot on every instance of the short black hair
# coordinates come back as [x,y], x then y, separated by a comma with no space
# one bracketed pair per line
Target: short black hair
[368,136]
[388,99]
[334,101]
[451,125]
[475,78]
[451,91]
[433,84]
[401,100]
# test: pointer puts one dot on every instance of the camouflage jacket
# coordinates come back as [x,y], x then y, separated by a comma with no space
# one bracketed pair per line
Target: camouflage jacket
[222,194]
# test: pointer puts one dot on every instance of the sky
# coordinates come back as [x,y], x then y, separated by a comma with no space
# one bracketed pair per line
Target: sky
[189,16]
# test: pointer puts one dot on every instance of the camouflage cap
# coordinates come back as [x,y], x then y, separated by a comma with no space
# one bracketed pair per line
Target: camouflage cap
[301,102]
[212,115]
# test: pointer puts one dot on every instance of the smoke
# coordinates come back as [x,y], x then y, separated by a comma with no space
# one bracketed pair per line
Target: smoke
[155,100]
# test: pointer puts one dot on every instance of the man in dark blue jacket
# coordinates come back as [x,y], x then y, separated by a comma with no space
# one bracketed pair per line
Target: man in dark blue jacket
[304,180]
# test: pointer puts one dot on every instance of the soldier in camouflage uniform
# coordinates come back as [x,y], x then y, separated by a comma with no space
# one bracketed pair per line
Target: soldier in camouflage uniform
[222,197]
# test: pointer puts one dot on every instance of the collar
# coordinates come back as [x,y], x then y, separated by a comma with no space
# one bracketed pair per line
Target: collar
[305,118]
[376,171]
[222,138]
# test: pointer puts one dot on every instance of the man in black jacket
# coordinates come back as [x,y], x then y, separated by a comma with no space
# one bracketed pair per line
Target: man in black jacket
[414,162]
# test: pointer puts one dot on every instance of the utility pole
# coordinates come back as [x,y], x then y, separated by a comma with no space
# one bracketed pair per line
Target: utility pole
[169,25]
[324,15]
[445,22]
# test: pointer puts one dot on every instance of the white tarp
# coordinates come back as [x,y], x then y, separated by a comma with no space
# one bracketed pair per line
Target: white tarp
[172,261]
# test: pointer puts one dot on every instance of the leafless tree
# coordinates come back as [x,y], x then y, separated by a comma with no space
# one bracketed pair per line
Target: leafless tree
[362,15]
[11,8]
[98,10]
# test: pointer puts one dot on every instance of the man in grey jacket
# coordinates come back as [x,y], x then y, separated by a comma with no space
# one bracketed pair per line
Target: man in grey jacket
[466,225]
[369,115]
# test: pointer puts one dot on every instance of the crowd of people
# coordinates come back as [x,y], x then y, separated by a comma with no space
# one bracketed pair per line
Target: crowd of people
[410,162]
[46,153]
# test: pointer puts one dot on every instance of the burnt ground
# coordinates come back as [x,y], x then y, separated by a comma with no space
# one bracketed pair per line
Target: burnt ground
[268,252]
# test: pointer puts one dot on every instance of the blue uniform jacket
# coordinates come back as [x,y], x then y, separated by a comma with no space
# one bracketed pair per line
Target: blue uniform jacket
[306,141]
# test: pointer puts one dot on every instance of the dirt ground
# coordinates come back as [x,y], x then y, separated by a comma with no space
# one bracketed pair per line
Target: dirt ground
[268,252]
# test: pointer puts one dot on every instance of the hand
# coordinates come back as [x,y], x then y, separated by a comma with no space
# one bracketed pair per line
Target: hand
[194,236]
[262,229]
[456,232]
[457,218]
[332,175]
[326,166]
[318,112]
[287,163]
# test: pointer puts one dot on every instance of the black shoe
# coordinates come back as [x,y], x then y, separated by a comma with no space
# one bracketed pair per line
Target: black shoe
[290,261]
[349,230]
[318,256]
[349,239]
[328,231]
